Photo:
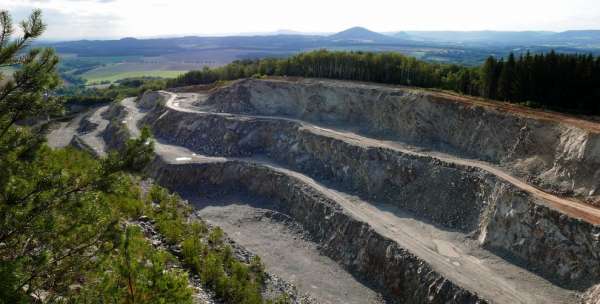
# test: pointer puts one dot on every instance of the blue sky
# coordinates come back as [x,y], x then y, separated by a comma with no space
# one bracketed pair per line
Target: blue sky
[77,19]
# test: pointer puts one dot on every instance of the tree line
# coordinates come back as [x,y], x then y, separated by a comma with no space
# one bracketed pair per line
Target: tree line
[563,82]
[89,96]
[569,82]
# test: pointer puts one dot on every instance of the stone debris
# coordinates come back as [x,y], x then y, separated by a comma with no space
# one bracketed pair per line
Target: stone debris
[327,186]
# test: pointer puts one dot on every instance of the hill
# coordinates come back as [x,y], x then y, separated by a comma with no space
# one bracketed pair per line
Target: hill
[361,34]
[153,56]
[480,36]
[578,36]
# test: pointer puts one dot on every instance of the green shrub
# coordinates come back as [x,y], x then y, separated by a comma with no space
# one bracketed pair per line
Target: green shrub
[194,251]
[204,251]
[171,229]
[215,237]
[136,273]
[282,299]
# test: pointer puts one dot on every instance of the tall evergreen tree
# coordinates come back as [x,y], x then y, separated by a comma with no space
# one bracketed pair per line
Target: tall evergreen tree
[567,82]
[57,207]
[489,80]
[506,81]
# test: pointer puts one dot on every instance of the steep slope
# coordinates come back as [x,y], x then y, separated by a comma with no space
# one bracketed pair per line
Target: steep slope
[507,136]
[172,124]
[502,210]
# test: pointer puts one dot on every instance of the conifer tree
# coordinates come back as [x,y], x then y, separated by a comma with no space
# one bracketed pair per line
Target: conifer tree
[57,207]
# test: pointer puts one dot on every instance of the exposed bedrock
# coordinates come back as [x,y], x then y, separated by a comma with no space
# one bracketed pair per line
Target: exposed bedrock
[400,179]
[553,243]
[505,218]
[569,161]
[396,272]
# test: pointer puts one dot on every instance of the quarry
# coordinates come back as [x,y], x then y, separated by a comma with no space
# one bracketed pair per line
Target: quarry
[362,193]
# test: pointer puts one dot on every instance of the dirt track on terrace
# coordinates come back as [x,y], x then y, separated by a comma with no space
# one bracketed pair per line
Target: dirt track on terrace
[570,207]
[449,253]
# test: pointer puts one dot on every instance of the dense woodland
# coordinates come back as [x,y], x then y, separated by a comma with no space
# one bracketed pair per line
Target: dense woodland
[563,82]
[558,81]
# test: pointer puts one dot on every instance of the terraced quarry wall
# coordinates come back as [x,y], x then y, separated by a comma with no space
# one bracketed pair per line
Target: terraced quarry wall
[403,276]
[417,225]
[503,217]
[568,163]
[378,173]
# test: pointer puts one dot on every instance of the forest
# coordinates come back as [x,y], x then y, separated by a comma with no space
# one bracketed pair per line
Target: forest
[561,82]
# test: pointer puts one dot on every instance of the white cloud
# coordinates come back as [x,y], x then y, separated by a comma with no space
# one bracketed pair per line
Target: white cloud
[120,18]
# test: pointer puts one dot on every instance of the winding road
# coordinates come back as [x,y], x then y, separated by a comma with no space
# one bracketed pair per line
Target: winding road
[449,253]
[568,206]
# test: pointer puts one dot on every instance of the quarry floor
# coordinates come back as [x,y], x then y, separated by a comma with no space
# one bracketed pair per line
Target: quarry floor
[284,248]
[288,253]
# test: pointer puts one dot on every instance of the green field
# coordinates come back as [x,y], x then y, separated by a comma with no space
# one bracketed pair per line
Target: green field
[97,76]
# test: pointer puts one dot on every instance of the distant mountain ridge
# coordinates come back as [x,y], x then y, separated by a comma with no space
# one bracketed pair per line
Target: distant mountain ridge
[587,35]
[361,34]
[446,45]
[478,36]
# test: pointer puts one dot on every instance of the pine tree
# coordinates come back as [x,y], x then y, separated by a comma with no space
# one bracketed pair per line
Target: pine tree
[507,79]
[57,207]
[488,76]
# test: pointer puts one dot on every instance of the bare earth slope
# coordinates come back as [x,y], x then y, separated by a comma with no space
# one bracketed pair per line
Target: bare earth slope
[572,207]
[448,253]
[84,131]
[508,136]
[420,196]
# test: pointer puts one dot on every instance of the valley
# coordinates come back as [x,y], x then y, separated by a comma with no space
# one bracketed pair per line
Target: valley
[97,61]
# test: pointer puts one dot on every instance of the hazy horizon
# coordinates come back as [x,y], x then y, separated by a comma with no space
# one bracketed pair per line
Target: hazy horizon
[110,19]
[280,32]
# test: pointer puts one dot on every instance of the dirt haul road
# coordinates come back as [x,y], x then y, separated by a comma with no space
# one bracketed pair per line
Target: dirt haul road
[449,253]
[570,207]
[67,133]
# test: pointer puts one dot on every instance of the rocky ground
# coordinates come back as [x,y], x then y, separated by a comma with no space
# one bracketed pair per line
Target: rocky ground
[87,131]
[308,176]
[284,246]
[274,285]
[505,135]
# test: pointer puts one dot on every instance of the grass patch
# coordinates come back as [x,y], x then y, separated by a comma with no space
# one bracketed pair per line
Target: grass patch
[103,76]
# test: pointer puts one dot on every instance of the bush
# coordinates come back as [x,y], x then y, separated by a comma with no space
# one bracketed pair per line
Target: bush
[136,273]
[204,251]
[215,238]
[193,252]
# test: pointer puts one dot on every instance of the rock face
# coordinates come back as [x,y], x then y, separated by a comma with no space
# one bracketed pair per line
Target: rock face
[592,296]
[256,152]
[402,276]
[503,217]
[569,163]
[563,248]
[382,174]
[363,252]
